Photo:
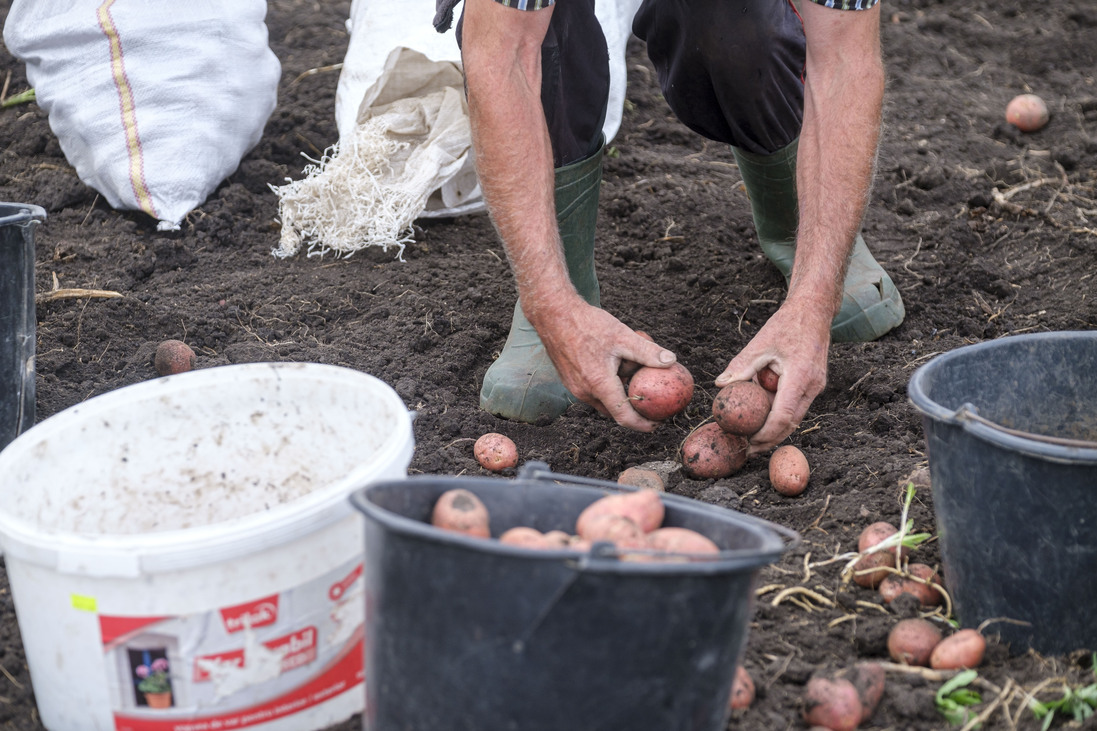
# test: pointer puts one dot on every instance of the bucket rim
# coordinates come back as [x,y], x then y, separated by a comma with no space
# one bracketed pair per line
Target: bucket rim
[131,553]
[777,539]
[966,416]
[13,214]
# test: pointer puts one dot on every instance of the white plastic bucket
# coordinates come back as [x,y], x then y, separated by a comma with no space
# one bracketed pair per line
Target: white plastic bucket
[199,522]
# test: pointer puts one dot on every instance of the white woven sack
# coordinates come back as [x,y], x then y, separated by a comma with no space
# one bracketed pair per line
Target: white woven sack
[153,104]
[412,136]
[377,27]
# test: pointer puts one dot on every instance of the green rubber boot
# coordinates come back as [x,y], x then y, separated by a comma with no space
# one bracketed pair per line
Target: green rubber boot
[522,384]
[871,305]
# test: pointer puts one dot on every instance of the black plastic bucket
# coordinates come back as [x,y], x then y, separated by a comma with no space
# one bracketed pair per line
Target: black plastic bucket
[1011,428]
[471,634]
[17,331]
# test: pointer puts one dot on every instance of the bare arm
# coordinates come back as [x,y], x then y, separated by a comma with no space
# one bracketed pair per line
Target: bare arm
[843,96]
[501,52]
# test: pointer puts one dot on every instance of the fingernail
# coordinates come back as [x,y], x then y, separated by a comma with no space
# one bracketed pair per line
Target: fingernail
[666,357]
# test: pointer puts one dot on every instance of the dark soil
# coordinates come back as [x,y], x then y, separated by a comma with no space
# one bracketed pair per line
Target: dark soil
[976,254]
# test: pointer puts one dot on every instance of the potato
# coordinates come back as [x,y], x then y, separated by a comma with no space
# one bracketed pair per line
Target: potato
[788,470]
[960,650]
[558,538]
[868,678]
[874,564]
[742,689]
[1027,112]
[642,477]
[461,511]
[660,393]
[173,356]
[911,641]
[709,452]
[875,533]
[617,529]
[495,452]
[832,703]
[576,543]
[768,380]
[896,584]
[680,540]
[741,407]
[525,537]
[643,507]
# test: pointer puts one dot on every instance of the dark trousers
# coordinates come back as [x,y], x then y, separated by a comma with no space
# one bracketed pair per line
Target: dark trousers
[731,70]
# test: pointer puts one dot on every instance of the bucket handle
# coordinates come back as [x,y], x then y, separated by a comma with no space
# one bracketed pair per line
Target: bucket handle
[968,412]
[25,214]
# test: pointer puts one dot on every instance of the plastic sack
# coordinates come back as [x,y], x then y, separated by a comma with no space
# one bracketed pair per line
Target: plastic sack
[153,105]
[412,136]
[376,27]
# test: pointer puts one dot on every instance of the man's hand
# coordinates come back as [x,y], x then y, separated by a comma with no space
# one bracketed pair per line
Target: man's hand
[793,343]
[588,347]
[843,95]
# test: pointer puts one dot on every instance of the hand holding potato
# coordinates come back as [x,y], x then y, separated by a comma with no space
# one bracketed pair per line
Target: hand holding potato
[793,345]
[588,345]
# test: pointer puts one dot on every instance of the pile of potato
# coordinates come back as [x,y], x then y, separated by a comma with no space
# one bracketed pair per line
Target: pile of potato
[918,641]
[880,569]
[632,521]
[720,448]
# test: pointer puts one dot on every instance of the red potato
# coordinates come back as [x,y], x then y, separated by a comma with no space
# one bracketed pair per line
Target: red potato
[558,538]
[525,537]
[832,703]
[875,533]
[868,678]
[642,477]
[768,380]
[173,356]
[789,471]
[741,407]
[495,452]
[926,573]
[896,584]
[642,507]
[680,540]
[576,543]
[876,565]
[660,393]
[911,641]
[961,650]
[617,529]
[1027,112]
[459,510]
[742,690]
[709,452]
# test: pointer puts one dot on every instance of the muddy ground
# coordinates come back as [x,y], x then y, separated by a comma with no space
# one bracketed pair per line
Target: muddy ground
[987,232]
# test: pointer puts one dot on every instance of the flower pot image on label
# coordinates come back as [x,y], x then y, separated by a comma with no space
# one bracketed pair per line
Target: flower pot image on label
[158,700]
[154,680]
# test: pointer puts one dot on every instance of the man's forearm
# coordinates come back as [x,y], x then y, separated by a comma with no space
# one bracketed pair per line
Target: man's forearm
[514,159]
[837,150]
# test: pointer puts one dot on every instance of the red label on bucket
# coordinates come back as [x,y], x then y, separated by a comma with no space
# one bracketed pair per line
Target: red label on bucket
[344,674]
[337,590]
[255,614]
[243,665]
[296,649]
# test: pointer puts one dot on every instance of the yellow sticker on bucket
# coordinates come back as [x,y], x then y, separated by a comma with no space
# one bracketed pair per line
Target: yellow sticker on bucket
[83,603]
